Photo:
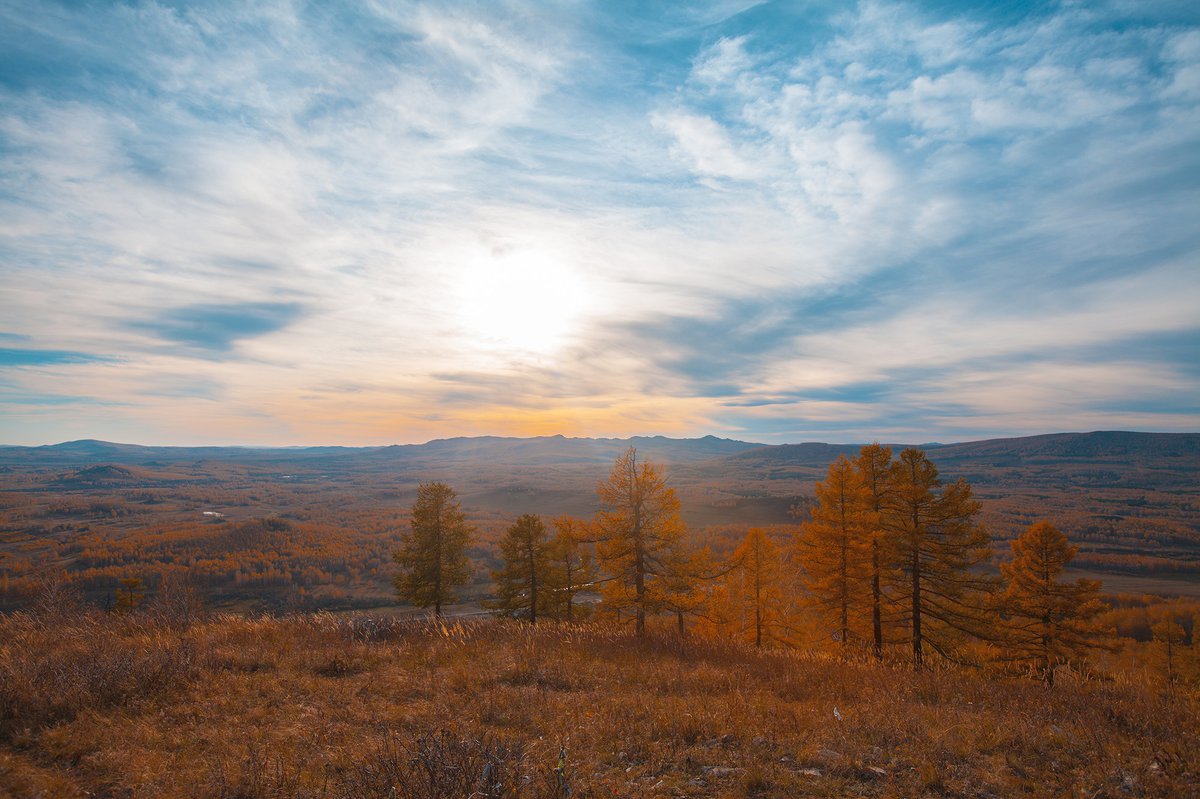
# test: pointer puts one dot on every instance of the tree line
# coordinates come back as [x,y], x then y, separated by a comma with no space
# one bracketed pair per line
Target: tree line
[891,558]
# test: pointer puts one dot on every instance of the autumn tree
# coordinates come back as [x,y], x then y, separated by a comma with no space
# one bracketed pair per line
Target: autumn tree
[834,546]
[521,583]
[687,584]
[938,548]
[874,464]
[1170,636]
[571,568]
[638,536]
[130,594]
[432,555]
[759,559]
[1048,621]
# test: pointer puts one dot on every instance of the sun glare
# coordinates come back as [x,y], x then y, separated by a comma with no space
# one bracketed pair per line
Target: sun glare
[521,300]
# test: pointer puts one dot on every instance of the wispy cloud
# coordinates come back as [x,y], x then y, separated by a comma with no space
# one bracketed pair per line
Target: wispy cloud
[879,220]
[216,328]
[11,356]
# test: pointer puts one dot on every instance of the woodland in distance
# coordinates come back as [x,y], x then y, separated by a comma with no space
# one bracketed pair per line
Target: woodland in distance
[871,636]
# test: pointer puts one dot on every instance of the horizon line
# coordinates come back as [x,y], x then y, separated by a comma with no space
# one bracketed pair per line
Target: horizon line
[580,438]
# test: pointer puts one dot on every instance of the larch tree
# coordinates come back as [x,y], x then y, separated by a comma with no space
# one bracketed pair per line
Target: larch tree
[759,559]
[874,463]
[571,568]
[687,584]
[834,547]
[523,581]
[1048,621]
[637,537]
[1170,635]
[130,594]
[939,548]
[433,554]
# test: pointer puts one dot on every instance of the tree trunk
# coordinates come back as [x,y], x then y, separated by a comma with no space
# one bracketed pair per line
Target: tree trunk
[639,583]
[916,606]
[437,568]
[532,591]
[570,586]
[876,613]
[845,573]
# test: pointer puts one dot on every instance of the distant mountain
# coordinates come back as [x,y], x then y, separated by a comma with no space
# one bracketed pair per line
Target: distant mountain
[541,450]
[544,450]
[1055,446]
[1101,444]
[101,475]
[1104,458]
[811,454]
[91,451]
[547,450]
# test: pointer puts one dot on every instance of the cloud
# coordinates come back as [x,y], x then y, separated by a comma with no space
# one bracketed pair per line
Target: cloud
[11,356]
[779,221]
[216,328]
[705,145]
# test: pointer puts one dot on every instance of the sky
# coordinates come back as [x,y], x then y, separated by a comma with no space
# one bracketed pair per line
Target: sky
[280,223]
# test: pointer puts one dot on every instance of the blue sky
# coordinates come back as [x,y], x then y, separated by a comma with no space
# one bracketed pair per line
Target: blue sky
[287,223]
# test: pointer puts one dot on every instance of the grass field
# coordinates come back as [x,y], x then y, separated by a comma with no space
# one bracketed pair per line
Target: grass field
[1161,585]
[323,706]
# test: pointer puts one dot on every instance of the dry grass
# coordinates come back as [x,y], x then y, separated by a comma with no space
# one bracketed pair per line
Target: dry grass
[318,706]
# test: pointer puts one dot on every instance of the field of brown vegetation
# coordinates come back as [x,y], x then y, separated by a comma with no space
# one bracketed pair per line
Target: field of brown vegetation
[102,512]
[168,702]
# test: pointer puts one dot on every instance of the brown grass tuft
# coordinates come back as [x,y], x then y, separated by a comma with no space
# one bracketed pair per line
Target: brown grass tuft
[320,706]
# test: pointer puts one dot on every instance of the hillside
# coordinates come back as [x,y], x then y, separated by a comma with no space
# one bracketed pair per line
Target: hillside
[360,708]
[541,450]
[100,510]
[1087,446]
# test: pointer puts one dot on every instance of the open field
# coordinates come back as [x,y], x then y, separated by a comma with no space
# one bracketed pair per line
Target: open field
[1184,586]
[319,706]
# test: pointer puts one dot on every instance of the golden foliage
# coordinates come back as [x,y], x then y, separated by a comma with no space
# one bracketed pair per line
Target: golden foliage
[1048,621]
[638,537]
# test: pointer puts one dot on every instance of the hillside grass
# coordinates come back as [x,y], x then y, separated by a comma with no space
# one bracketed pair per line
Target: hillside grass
[102,705]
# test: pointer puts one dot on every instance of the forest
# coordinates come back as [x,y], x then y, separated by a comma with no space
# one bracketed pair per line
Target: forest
[247,535]
[879,642]
[97,513]
[890,560]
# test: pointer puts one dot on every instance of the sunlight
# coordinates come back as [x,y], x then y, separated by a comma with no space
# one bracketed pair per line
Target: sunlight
[522,300]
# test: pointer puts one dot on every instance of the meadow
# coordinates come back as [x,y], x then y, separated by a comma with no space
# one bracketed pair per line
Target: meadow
[168,701]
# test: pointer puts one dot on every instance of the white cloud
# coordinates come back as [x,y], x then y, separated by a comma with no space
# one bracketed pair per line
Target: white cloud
[706,146]
[1010,188]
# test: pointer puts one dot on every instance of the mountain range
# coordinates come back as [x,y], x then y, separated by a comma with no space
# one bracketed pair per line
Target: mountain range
[542,450]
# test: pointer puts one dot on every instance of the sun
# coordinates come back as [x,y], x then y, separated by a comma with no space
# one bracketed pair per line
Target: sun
[521,300]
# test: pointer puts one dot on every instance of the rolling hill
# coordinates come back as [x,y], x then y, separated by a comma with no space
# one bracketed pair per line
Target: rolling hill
[1130,499]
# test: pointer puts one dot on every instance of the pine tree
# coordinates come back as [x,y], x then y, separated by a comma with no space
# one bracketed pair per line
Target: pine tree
[938,548]
[433,555]
[571,568]
[638,537]
[1048,621]
[834,547]
[521,583]
[874,464]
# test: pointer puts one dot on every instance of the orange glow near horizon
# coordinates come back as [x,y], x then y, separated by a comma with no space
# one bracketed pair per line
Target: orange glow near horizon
[375,420]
